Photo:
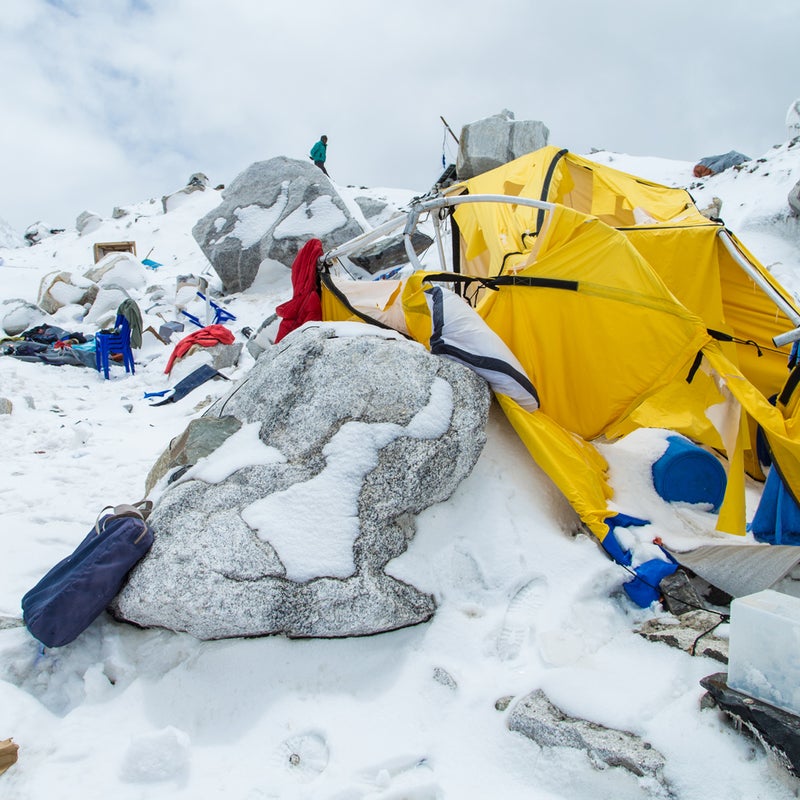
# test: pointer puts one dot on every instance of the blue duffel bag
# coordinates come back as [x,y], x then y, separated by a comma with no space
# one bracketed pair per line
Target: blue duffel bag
[77,590]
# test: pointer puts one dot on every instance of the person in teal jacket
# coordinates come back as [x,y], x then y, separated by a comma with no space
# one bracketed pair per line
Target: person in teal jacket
[319,152]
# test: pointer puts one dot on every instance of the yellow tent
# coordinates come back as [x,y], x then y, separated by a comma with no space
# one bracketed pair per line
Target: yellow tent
[625,307]
[697,258]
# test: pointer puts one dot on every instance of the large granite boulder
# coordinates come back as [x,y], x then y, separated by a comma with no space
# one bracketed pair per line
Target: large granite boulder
[389,252]
[344,435]
[494,141]
[268,213]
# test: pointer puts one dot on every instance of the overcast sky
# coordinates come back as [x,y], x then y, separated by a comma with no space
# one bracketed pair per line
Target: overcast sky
[110,102]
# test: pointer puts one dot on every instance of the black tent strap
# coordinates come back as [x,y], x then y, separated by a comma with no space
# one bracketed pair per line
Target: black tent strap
[548,178]
[695,366]
[506,257]
[504,280]
[452,277]
[539,283]
[790,386]
[525,235]
[721,336]
[727,337]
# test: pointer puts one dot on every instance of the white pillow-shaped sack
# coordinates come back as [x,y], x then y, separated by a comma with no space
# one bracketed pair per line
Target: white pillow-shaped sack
[458,332]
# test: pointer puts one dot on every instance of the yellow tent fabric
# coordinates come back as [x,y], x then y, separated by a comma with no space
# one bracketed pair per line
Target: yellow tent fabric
[626,309]
[683,247]
[610,312]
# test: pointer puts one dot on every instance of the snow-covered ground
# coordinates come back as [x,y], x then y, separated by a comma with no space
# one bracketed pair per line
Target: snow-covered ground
[522,602]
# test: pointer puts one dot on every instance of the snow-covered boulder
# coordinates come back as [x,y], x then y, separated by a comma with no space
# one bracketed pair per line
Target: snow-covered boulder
[496,140]
[288,526]
[118,269]
[39,230]
[59,289]
[87,222]
[375,210]
[196,183]
[17,315]
[389,252]
[268,213]
[103,311]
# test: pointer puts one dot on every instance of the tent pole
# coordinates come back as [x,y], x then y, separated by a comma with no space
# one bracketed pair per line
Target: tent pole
[418,208]
[449,129]
[438,229]
[411,224]
[768,289]
[364,238]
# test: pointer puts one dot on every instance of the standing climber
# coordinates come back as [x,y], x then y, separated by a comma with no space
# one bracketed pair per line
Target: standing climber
[319,152]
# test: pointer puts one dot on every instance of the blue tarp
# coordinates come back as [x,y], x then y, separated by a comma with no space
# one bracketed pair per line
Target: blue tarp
[720,163]
[777,518]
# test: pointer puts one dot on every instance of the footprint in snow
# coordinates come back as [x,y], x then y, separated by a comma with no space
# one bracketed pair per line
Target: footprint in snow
[305,755]
[520,617]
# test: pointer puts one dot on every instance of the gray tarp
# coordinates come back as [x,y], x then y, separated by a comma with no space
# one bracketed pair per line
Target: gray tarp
[740,570]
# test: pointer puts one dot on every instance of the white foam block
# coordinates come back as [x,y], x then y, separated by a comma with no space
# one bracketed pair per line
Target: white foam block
[764,656]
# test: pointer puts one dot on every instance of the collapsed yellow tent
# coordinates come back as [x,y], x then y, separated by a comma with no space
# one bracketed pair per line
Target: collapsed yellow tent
[625,309]
[697,258]
[704,265]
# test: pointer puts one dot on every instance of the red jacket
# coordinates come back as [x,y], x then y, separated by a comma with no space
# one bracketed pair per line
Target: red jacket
[305,304]
[205,337]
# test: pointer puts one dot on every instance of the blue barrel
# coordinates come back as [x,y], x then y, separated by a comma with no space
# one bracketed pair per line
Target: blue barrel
[687,473]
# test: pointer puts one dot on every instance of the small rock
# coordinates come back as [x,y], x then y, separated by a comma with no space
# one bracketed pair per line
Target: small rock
[537,718]
[502,703]
[693,632]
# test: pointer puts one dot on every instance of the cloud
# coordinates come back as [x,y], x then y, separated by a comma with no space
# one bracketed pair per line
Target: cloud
[112,101]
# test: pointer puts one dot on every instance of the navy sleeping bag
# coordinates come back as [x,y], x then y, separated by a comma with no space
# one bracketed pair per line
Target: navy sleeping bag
[77,589]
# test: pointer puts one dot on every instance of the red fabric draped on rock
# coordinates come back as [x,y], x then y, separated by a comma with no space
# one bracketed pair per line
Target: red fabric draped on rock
[305,304]
[205,337]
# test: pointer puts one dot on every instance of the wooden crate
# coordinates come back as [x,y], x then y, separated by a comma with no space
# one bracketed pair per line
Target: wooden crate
[102,249]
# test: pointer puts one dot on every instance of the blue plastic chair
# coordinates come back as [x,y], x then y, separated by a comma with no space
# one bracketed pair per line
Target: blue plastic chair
[118,340]
[221,315]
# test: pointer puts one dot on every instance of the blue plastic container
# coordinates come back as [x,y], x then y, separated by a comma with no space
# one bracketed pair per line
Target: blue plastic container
[687,473]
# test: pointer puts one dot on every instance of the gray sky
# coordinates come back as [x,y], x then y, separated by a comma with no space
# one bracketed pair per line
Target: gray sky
[110,102]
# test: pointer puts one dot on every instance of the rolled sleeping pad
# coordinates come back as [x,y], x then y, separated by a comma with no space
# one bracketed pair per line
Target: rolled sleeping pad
[687,473]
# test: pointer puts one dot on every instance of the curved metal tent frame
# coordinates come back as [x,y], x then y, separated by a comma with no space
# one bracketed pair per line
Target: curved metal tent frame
[410,219]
